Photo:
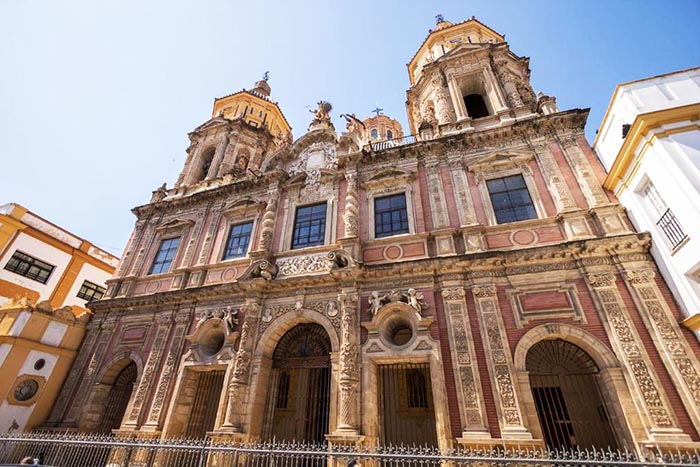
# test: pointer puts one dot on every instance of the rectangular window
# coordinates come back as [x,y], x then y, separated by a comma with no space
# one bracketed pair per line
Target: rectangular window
[29,267]
[89,291]
[390,215]
[238,240]
[165,255]
[309,226]
[510,199]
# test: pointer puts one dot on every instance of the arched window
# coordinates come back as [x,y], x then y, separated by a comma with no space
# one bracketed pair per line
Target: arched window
[389,134]
[476,107]
[374,134]
[207,159]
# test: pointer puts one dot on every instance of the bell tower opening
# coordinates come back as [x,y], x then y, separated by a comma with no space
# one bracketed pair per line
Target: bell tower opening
[299,400]
[476,106]
[207,159]
[566,391]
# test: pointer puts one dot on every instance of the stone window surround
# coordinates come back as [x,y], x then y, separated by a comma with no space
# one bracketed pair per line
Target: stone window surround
[374,193]
[182,230]
[291,203]
[228,219]
[481,81]
[483,177]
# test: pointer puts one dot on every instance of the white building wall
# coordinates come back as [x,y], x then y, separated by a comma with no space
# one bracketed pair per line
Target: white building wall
[670,159]
[90,273]
[39,250]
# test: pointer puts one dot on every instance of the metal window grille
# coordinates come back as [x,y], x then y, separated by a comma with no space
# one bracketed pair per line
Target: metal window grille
[390,215]
[670,226]
[89,291]
[29,267]
[238,240]
[309,226]
[78,450]
[510,199]
[165,255]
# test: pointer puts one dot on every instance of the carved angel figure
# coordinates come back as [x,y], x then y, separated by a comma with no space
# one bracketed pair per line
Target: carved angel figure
[231,318]
[206,315]
[416,300]
[375,302]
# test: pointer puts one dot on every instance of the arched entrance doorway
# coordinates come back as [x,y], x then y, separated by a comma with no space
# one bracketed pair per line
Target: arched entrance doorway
[118,399]
[299,402]
[565,388]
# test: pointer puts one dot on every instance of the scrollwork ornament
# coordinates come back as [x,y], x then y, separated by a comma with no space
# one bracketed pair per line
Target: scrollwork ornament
[640,276]
[453,294]
[484,291]
[604,279]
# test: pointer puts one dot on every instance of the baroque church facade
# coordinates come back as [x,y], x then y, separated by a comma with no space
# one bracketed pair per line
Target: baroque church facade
[468,284]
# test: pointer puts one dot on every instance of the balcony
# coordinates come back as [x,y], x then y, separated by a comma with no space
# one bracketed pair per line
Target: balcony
[393,143]
[672,228]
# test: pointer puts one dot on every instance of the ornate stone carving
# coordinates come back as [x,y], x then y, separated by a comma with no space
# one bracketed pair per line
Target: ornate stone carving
[312,160]
[604,279]
[300,265]
[167,374]
[640,276]
[453,294]
[352,210]
[484,291]
[148,374]
[228,315]
[349,365]
[553,175]
[267,226]
[411,297]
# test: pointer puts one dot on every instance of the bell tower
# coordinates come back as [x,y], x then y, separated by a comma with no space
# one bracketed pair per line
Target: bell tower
[245,126]
[463,77]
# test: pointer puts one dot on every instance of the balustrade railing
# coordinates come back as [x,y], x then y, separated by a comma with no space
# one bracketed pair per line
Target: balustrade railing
[393,143]
[68,450]
[671,228]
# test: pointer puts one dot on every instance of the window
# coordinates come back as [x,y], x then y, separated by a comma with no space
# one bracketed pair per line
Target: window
[667,221]
[89,291]
[476,107]
[374,133]
[29,267]
[389,134]
[416,388]
[238,240]
[165,255]
[510,199]
[390,215]
[309,226]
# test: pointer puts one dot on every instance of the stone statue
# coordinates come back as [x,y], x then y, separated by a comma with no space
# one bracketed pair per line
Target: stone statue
[231,318]
[354,124]
[416,300]
[206,316]
[375,302]
[322,112]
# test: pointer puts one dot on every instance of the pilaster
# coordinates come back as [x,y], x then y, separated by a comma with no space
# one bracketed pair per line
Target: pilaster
[590,186]
[460,186]
[349,380]
[563,199]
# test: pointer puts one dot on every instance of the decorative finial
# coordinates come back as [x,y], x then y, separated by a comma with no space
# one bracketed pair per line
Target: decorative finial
[266,76]
[377,111]
[439,19]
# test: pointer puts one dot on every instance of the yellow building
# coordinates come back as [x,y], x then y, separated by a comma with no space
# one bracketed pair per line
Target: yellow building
[47,275]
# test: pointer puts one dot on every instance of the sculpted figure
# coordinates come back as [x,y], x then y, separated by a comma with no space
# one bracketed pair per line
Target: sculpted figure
[231,318]
[322,112]
[416,300]
[375,302]
[206,315]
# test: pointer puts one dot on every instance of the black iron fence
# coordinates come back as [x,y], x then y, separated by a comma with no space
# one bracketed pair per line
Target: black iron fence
[75,450]
[672,228]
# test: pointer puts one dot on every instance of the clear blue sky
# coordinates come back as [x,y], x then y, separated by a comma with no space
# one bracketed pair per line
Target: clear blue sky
[97,97]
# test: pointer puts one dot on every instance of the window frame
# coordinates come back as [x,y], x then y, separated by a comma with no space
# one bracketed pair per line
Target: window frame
[227,238]
[30,263]
[91,286]
[294,225]
[526,173]
[154,260]
[508,191]
[383,186]
[375,213]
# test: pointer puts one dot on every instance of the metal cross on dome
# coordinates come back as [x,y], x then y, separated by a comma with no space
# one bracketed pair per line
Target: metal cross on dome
[439,19]
[377,111]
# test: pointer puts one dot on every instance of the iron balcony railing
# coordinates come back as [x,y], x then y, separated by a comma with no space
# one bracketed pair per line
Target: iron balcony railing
[68,450]
[394,143]
[672,228]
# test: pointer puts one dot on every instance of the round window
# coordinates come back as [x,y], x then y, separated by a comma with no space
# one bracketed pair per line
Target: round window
[212,342]
[401,335]
[39,364]
[26,390]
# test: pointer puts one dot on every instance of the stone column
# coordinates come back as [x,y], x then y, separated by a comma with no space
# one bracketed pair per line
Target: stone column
[592,189]
[351,217]
[650,398]
[72,381]
[87,382]
[500,363]
[349,381]
[678,357]
[438,205]
[469,393]
[463,198]
[563,199]
[509,87]
[164,323]
[457,99]
[238,385]
[182,324]
[267,226]
[205,254]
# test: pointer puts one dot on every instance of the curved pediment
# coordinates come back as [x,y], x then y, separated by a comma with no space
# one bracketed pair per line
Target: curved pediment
[242,205]
[174,224]
[387,177]
[500,160]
